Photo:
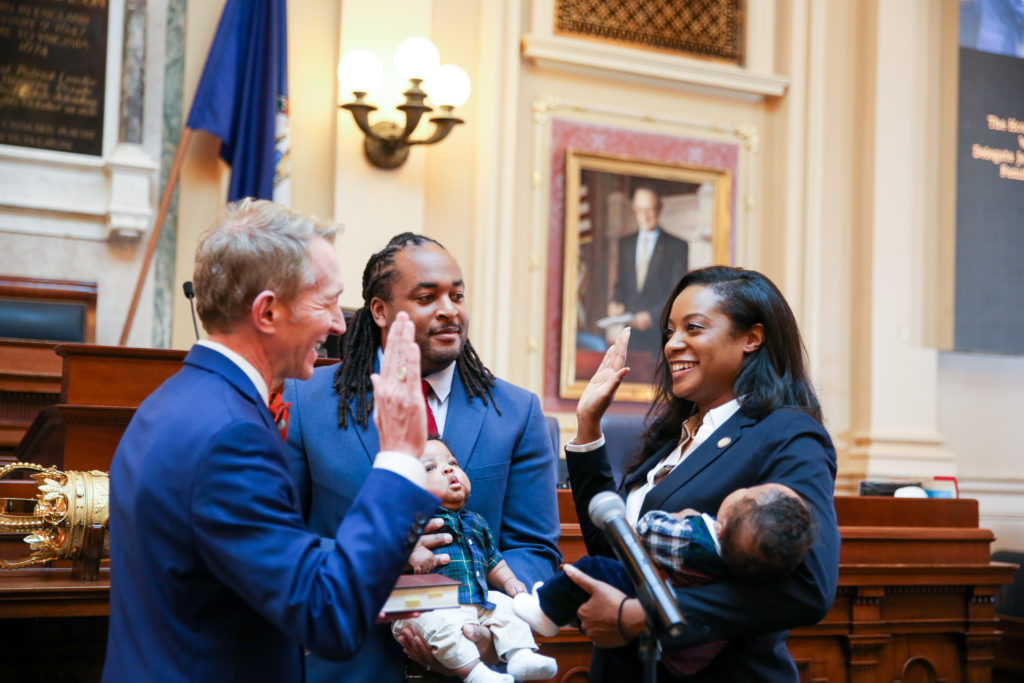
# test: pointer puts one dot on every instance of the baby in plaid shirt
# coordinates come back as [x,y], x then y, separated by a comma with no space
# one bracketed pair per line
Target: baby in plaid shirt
[476,562]
[760,534]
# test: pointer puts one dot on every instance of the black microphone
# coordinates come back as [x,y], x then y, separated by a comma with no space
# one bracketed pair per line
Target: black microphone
[190,294]
[608,512]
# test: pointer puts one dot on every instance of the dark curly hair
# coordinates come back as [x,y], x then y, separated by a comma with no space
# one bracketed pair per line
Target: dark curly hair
[765,539]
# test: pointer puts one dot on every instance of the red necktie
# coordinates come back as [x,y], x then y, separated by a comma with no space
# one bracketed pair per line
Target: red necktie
[432,432]
[279,410]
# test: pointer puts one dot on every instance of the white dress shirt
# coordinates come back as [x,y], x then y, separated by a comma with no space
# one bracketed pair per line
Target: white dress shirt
[440,388]
[714,419]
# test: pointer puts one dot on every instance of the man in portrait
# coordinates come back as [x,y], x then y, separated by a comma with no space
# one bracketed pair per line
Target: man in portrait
[651,261]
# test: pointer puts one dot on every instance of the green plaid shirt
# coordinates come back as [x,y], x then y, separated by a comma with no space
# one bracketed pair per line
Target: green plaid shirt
[473,554]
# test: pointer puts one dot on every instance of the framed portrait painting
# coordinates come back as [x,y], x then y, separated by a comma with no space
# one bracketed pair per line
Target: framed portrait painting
[633,228]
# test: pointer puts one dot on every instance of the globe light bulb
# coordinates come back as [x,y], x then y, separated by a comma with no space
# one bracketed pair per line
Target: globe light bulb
[416,57]
[448,85]
[359,71]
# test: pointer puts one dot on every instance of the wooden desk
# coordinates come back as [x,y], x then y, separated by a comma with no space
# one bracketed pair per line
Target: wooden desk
[36,593]
[1009,666]
[915,602]
[30,380]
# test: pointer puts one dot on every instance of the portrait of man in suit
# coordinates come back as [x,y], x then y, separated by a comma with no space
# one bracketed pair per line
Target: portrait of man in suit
[634,229]
[651,261]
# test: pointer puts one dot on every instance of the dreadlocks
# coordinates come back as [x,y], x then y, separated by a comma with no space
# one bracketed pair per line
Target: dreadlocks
[363,337]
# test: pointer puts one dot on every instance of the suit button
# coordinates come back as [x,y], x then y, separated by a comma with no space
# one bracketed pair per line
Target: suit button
[420,518]
[413,537]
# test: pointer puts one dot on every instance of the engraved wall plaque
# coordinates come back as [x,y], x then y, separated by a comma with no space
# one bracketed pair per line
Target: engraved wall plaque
[53,74]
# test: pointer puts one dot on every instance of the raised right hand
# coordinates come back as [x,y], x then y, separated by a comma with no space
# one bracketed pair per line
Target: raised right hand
[600,391]
[399,412]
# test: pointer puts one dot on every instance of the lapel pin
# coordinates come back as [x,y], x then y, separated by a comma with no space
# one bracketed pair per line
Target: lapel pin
[724,441]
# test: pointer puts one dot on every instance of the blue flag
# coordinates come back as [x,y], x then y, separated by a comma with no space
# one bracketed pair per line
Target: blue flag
[242,97]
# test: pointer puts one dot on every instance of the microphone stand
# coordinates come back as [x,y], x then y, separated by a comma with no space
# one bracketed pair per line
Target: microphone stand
[649,653]
[661,612]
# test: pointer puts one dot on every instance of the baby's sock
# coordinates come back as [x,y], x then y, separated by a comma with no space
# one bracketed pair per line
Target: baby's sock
[527,607]
[527,665]
[482,674]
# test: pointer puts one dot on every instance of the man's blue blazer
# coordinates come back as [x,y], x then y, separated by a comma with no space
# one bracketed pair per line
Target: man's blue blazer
[508,458]
[787,447]
[214,576]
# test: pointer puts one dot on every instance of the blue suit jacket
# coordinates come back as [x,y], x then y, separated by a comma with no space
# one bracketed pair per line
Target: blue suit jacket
[214,576]
[787,447]
[508,459]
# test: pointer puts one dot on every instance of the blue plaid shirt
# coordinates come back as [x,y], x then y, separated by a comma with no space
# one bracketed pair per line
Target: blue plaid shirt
[681,548]
[473,554]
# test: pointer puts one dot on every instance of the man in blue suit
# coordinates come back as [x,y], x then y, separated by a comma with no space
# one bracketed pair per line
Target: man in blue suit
[214,576]
[495,429]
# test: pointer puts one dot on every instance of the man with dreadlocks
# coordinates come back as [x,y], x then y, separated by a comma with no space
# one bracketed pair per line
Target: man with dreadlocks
[496,429]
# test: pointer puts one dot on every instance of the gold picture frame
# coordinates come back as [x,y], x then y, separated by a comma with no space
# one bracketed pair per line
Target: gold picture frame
[601,225]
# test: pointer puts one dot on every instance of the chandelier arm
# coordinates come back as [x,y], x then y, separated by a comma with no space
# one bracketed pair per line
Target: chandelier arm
[442,126]
[415,107]
[413,114]
[360,111]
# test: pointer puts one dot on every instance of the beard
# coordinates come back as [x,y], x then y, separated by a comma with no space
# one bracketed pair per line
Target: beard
[436,357]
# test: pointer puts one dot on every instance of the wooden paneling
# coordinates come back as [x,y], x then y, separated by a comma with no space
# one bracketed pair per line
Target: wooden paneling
[1009,666]
[30,380]
[112,375]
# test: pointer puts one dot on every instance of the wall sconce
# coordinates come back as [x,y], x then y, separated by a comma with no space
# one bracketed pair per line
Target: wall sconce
[417,60]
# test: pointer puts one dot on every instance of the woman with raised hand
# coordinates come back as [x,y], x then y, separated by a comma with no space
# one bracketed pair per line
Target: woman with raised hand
[733,408]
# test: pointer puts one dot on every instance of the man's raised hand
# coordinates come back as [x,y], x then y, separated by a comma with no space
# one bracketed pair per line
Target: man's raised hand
[399,412]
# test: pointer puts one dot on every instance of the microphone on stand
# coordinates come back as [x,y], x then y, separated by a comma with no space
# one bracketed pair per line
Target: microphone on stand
[608,512]
[190,294]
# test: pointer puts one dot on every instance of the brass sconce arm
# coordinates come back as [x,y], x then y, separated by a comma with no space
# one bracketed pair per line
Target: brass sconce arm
[443,124]
[360,110]
[387,144]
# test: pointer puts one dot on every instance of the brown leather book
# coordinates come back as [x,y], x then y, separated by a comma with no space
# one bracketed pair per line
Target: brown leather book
[421,593]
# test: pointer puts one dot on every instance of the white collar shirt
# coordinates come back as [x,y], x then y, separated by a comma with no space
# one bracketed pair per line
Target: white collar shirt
[646,241]
[441,388]
[245,366]
[714,419]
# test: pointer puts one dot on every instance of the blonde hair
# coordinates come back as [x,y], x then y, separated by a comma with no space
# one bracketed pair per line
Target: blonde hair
[257,245]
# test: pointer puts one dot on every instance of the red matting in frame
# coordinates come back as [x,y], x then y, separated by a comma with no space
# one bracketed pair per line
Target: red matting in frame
[645,146]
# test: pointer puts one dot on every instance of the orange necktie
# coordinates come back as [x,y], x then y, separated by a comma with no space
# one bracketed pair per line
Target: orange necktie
[279,410]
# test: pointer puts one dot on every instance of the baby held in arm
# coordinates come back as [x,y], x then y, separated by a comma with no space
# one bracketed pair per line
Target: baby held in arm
[760,534]
[476,562]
